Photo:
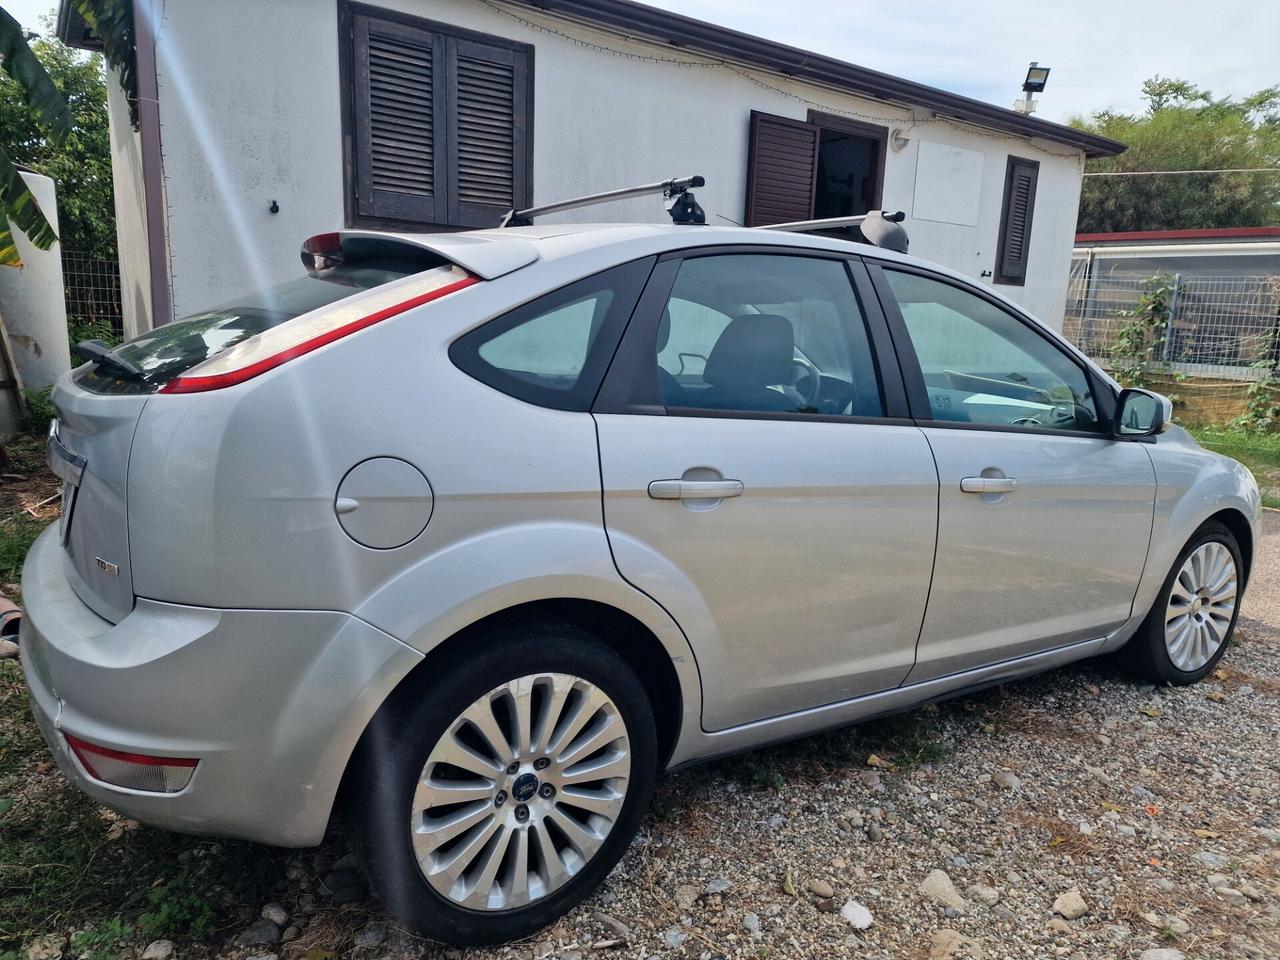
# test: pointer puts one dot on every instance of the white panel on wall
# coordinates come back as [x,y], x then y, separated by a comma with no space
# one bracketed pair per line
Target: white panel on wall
[948,184]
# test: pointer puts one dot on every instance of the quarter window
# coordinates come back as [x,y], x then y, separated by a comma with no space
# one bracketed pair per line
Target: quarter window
[553,350]
[981,364]
[765,334]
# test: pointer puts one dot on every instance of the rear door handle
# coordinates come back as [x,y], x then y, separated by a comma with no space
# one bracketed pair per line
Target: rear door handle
[988,485]
[695,489]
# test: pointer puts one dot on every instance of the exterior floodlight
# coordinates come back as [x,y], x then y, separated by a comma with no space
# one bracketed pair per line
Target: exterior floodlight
[1037,77]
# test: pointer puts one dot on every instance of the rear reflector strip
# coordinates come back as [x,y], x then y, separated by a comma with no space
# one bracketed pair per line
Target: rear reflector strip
[135,771]
[299,336]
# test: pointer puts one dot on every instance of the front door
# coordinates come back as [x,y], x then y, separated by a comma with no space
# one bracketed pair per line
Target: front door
[1044,519]
[754,486]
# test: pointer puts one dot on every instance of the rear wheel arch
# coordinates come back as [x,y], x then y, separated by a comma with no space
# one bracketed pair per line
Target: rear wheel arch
[612,627]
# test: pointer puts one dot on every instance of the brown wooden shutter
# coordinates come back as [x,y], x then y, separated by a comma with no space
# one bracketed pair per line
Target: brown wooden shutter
[782,165]
[399,167]
[1015,220]
[488,148]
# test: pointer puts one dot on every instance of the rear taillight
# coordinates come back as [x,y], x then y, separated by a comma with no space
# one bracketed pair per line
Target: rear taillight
[313,330]
[135,771]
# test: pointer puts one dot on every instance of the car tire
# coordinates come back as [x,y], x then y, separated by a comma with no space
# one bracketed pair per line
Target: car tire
[1194,616]
[400,806]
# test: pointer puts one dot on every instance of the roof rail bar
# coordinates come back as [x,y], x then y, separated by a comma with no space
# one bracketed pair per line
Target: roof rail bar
[684,210]
[878,227]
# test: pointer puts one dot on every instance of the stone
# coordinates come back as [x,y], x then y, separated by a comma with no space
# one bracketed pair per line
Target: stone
[292,932]
[1177,925]
[276,913]
[1058,925]
[951,945]
[1006,780]
[344,886]
[263,956]
[48,947]
[1252,893]
[1162,953]
[938,886]
[370,935]
[1231,895]
[619,929]
[686,896]
[158,950]
[1216,880]
[674,937]
[858,916]
[874,832]
[821,889]
[984,894]
[716,886]
[1214,861]
[751,923]
[8,649]
[261,933]
[1070,905]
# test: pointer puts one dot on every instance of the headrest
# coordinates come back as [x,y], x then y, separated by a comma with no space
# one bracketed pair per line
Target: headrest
[755,350]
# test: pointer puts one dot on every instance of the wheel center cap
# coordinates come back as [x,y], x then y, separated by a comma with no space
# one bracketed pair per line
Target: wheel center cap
[525,787]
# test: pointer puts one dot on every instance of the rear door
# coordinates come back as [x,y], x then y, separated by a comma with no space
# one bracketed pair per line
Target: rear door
[1044,519]
[762,482]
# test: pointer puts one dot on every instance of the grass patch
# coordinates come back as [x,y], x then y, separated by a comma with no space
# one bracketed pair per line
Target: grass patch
[1260,452]
[68,865]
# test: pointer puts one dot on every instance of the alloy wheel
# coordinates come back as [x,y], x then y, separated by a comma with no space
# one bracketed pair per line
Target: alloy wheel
[1202,603]
[520,791]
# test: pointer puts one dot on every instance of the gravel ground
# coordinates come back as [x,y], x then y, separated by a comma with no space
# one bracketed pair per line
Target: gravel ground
[1075,814]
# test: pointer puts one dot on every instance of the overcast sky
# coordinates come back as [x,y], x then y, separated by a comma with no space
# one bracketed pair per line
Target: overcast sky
[1100,51]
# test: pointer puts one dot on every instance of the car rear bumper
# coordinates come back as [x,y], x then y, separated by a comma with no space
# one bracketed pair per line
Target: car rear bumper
[271,702]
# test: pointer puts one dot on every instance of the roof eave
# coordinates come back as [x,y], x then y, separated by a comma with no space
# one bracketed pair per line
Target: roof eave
[639,21]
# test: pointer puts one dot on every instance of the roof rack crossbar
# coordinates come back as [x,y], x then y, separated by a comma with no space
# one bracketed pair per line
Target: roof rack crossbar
[879,228]
[832,223]
[674,187]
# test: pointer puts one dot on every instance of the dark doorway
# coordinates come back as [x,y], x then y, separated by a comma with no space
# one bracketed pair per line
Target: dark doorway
[850,173]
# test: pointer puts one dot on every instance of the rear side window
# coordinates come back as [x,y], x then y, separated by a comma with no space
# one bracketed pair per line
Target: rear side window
[553,351]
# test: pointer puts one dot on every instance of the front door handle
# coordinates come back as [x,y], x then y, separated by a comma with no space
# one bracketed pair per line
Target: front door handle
[988,485]
[695,489]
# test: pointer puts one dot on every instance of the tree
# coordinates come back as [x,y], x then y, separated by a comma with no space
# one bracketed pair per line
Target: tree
[1186,128]
[81,163]
[112,21]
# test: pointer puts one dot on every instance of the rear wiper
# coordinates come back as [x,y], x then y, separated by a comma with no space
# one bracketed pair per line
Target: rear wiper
[98,352]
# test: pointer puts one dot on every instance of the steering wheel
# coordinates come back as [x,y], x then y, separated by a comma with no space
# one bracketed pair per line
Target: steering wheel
[815,380]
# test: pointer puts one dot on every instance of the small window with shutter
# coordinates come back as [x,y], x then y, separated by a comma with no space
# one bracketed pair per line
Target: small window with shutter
[1015,221]
[438,122]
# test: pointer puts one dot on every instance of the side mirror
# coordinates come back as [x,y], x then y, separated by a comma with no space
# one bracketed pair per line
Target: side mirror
[1141,413]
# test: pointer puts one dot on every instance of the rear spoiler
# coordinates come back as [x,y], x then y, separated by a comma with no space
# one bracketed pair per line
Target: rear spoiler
[486,257]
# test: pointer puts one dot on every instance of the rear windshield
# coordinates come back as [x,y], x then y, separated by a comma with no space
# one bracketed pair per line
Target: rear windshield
[167,351]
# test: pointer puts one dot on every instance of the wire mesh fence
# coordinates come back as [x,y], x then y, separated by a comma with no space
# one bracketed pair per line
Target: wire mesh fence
[1218,326]
[93,296]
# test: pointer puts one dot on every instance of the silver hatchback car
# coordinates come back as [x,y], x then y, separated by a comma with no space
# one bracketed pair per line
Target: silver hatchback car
[482,531]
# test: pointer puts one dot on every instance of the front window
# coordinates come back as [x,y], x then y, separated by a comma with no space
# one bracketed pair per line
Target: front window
[981,364]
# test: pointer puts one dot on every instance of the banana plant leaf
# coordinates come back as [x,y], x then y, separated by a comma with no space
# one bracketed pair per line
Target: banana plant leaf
[42,95]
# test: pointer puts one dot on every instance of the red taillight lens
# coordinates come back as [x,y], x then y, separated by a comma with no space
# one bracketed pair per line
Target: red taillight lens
[136,771]
[313,330]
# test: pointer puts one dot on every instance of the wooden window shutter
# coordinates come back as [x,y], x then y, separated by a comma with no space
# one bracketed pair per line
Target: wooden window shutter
[399,167]
[488,109]
[782,165]
[1015,220]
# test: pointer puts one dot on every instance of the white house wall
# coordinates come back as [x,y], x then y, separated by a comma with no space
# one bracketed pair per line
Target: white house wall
[131,220]
[250,113]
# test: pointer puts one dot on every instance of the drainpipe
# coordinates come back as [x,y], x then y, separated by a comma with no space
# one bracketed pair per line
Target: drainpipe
[144,12]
